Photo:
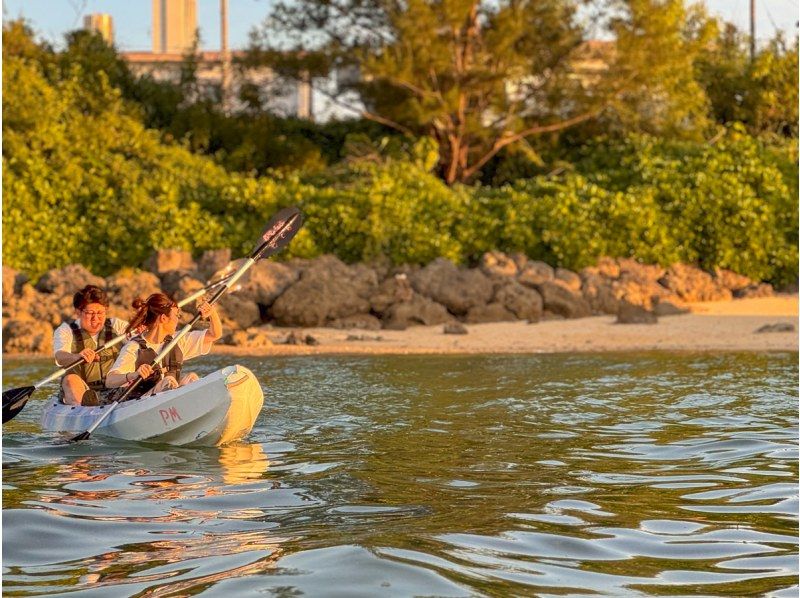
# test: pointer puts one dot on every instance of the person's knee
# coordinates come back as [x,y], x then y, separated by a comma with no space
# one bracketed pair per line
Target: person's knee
[73,388]
[169,382]
[73,381]
[189,378]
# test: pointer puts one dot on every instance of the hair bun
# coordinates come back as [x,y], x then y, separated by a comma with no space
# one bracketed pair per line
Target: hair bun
[138,303]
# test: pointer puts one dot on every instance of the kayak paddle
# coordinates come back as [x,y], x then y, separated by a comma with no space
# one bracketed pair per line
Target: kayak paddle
[277,234]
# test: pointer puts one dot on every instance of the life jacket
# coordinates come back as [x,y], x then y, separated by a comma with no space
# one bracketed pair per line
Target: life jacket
[170,366]
[94,373]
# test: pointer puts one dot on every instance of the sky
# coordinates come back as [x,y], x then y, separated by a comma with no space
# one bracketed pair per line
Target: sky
[132,18]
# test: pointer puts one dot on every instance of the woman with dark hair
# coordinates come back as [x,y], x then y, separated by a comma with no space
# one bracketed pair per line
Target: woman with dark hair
[159,315]
[79,339]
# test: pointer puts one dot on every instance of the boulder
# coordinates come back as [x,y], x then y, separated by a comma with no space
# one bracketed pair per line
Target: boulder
[731,280]
[608,267]
[762,289]
[327,290]
[455,328]
[298,338]
[497,263]
[630,269]
[27,336]
[598,291]
[493,312]
[265,281]
[126,285]
[164,260]
[457,289]
[536,273]
[29,304]
[67,280]
[560,300]
[12,282]
[669,307]
[520,259]
[179,284]
[213,260]
[644,293]
[235,312]
[418,311]
[779,327]
[635,314]
[254,338]
[357,321]
[395,289]
[693,284]
[523,302]
[570,279]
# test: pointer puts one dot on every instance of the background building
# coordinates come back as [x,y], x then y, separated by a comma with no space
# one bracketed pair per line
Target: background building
[102,23]
[174,26]
[174,33]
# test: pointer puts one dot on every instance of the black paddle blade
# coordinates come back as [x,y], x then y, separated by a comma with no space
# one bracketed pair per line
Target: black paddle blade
[14,400]
[81,436]
[280,230]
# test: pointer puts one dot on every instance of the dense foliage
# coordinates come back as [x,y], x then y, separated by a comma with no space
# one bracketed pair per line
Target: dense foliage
[84,180]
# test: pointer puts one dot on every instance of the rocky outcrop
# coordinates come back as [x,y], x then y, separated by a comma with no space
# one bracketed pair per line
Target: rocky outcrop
[491,312]
[524,303]
[535,273]
[127,285]
[692,284]
[496,263]
[635,314]
[12,283]
[27,336]
[417,311]
[457,289]
[67,280]
[164,260]
[561,300]
[327,292]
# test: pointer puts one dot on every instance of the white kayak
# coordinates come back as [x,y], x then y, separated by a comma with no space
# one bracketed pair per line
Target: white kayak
[217,409]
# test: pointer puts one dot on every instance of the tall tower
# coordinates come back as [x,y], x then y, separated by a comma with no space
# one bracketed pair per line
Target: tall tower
[102,23]
[174,26]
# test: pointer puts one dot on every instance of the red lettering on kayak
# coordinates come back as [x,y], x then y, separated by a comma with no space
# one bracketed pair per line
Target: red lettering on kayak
[169,415]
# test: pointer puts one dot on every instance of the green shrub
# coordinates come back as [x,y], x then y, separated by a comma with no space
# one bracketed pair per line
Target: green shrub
[84,181]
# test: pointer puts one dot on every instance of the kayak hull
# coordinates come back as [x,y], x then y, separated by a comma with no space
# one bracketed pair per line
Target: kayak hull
[219,408]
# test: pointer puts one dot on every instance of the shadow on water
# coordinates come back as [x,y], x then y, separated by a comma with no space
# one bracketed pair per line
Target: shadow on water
[618,475]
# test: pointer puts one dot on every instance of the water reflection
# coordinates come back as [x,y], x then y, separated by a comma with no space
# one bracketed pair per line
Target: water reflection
[453,476]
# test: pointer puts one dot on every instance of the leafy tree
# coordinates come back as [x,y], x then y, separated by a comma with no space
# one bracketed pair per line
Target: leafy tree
[480,76]
[476,76]
[656,45]
[762,93]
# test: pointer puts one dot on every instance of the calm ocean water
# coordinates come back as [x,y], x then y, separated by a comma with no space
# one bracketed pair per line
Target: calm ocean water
[545,475]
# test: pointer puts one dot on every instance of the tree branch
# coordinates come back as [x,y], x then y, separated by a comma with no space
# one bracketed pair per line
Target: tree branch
[508,139]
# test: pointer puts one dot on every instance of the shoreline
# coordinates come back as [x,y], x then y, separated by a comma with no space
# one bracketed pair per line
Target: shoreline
[724,326]
[711,326]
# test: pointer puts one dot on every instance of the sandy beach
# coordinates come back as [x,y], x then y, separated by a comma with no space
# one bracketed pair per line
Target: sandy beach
[711,326]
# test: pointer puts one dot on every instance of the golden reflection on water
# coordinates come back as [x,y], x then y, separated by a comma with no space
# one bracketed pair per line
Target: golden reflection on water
[242,463]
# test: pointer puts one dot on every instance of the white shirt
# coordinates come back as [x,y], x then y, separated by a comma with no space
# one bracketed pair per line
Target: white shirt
[190,344]
[62,336]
